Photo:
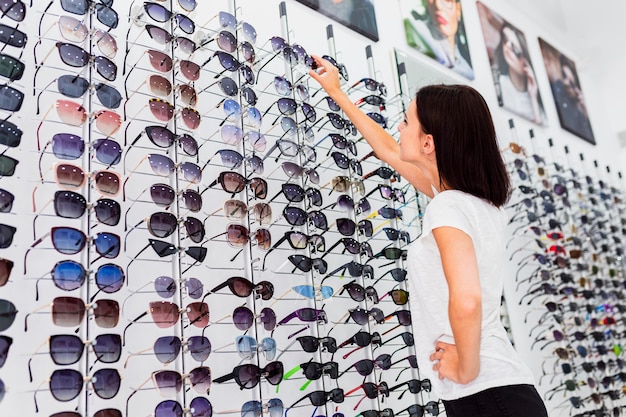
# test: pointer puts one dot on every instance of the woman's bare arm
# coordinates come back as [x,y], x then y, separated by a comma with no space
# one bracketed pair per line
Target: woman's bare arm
[384,145]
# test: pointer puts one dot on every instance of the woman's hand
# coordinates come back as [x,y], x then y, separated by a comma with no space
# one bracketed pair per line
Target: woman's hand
[447,365]
[327,75]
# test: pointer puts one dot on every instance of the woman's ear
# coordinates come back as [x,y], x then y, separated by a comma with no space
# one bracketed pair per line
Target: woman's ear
[428,146]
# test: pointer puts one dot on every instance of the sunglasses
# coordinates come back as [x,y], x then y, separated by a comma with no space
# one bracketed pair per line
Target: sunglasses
[353,246]
[13,9]
[5,345]
[198,407]
[344,162]
[249,375]
[319,398]
[238,210]
[11,68]
[103,10]
[70,312]
[68,146]
[354,269]
[291,149]
[164,111]
[167,348]
[74,30]
[77,57]
[165,314]
[7,232]
[163,63]
[358,293]
[284,88]
[362,339]
[163,249]
[12,36]
[67,349]
[170,383]
[247,347]
[371,85]
[6,266]
[66,384]
[162,224]
[10,134]
[71,205]
[164,166]
[232,159]
[74,114]
[365,367]
[414,386]
[7,314]
[167,287]
[241,287]
[311,344]
[69,275]
[287,106]
[305,314]
[75,86]
[244,318]
[305,264]
[417,410]
[164,138]
[233,182]
[10,98]
[73,177]
[160,14]
[163,195]
[296,216]
[274,407]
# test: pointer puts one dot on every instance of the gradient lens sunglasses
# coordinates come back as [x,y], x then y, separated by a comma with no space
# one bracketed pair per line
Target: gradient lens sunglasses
[306,314]
[165,111]
[167,348]
[13,9]
[74,30]
[103,10]
[274,407]
[163,249]
[66,384]
[244,318]
[73,177]
[163,223]
[70,275]
[198,407]
[233,182]
[229,21]
[164,166]
[160,14]
[249,375]
[75,86]
[70,241]
[358,293]
[165,314]
[170,383]
[362,316]
[232,159]
[72,205]
[67,349]
[77,57]
[163,63]
[163,195]
[74,114]
[247,347]
[238,210]
[164,138]
[305,264]
[238,236]
[67,146]
[70,312]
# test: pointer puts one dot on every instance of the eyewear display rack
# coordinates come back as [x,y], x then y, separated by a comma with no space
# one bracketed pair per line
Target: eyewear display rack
[189,226]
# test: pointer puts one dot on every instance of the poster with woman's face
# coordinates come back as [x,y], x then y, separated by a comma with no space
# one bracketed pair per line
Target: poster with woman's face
[511,67]
[358,15]
[567,93]
[436,29]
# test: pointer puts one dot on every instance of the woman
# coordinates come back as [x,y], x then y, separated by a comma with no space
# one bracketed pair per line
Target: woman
[448,150]
[440,35]
[518,90]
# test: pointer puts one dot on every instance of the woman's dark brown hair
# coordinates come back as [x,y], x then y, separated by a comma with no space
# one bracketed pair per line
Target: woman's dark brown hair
[468,156]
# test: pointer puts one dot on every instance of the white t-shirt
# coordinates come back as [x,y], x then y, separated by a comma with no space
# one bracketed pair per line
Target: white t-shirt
[486,225]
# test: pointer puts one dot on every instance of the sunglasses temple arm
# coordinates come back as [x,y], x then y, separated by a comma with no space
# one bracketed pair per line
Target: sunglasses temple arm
[37,242]
[133,260]
[264,65]
[128,48]
[135,320]
[130,354]
[135,391]
[352,351]
[41,92]
[38,214]
[39,126]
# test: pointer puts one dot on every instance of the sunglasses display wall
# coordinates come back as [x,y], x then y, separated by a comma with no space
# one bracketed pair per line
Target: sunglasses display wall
[192,227]
[568,227]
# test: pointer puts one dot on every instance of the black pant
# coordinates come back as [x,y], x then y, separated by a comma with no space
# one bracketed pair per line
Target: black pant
[508,401]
